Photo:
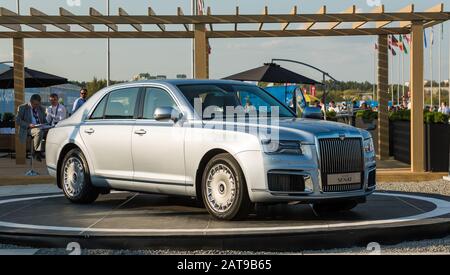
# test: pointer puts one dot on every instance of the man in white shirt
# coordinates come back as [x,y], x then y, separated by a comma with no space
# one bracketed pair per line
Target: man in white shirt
[444,109]
[56,111]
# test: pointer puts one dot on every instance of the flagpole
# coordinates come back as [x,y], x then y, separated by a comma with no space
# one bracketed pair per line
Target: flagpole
[374,72]
[440,63]
[108,52]
[403,73]
[431,68]
[399,78]
[392,72]
[193,42]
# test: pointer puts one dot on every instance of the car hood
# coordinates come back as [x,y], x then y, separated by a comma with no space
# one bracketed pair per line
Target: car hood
[309,129]
[306,130]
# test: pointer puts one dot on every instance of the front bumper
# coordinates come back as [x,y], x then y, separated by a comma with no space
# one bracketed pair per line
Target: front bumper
[257,166]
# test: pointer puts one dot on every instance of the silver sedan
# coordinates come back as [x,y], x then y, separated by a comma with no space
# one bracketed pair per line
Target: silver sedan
[227,144]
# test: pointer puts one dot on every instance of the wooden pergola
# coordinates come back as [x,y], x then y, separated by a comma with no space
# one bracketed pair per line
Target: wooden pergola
[202,27]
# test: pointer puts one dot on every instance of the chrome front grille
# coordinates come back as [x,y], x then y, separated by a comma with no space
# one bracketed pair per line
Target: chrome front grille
[339,156]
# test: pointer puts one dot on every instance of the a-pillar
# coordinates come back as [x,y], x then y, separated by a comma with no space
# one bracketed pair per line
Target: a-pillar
[417,124]
[19,93]
[383,98]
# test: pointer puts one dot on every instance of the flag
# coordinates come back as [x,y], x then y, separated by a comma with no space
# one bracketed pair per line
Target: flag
[394,41]
[407,38]
[432,36]
[400,44]
[425,39]
[200,7]
[404,48]
[393,52]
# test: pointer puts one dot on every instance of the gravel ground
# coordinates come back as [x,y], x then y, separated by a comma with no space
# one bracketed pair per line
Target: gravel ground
[436,246]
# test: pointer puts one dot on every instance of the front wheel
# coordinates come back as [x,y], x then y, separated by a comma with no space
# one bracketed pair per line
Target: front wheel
[75,178]
[224,190]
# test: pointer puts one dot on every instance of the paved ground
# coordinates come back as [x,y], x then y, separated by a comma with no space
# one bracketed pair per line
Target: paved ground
[438,246]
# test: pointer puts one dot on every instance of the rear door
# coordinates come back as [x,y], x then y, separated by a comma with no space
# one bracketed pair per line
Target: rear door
[107,134]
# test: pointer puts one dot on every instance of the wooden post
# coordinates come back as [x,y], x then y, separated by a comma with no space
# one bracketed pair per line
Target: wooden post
[19,93]
[200,52]
[417,124]
[383,98]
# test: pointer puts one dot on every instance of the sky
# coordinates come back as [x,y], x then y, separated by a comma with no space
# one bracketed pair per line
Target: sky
[345,58]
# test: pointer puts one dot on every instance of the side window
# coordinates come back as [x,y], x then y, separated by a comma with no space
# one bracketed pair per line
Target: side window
[154,98]
[100,109]
[121,104]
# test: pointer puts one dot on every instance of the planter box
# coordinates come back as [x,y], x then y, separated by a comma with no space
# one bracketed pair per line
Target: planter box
[437,140]
[400,140]
[437,143]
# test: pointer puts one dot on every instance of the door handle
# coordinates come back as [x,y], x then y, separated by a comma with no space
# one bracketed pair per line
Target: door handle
[140,132]
[89,131]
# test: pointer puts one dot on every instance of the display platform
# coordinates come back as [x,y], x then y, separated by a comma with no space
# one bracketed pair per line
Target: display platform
[125,220]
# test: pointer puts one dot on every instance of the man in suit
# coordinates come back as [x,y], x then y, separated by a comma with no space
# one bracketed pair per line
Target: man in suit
[29,117]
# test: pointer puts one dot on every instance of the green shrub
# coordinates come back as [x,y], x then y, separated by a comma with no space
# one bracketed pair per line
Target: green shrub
[331,115]
[367,115]
[428,117]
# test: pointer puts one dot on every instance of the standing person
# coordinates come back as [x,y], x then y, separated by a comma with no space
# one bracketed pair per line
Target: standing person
[80,101]
[29,117]
[56,111]
[333,107]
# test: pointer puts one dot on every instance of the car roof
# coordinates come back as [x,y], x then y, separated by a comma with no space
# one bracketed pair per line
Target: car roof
[177,82]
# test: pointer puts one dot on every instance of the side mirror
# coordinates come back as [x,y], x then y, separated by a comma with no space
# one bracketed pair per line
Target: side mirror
[167,113]
[312,112]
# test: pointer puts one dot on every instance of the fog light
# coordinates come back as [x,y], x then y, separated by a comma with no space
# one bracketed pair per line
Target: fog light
[309,186]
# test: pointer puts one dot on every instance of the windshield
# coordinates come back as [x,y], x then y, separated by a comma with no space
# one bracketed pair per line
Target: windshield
[221,97]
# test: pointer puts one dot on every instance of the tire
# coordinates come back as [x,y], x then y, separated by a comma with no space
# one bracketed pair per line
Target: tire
[75,179]
[335,206]
[224,190]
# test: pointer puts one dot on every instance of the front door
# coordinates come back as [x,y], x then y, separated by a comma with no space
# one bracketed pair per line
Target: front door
[158,147]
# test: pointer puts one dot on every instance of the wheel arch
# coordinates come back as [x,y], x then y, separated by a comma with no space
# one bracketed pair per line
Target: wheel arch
[62,153]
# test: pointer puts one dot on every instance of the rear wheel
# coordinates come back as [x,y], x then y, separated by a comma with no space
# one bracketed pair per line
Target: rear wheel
[335,206]
[75,177]
[224,190]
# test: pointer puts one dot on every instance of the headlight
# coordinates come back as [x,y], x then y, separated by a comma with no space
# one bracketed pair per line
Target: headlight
[282,147]
[368,146]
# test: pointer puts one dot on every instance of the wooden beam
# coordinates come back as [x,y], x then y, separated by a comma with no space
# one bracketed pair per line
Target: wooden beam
[410,9]
[151,12]
[19,93]
[383,98]
[63,12]
[376,10]
[284,26]
[381,24]
[36,12]
[180,13]
[94,12]
[225,19]
[208,13]
[417,125]
[137,27]
[210,34]
[350,10]
[200,52]
[437,8]
[323,11]
[265,12]
[14,27]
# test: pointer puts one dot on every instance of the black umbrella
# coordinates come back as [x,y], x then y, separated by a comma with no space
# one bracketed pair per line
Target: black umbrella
[33,79]
[272,73]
